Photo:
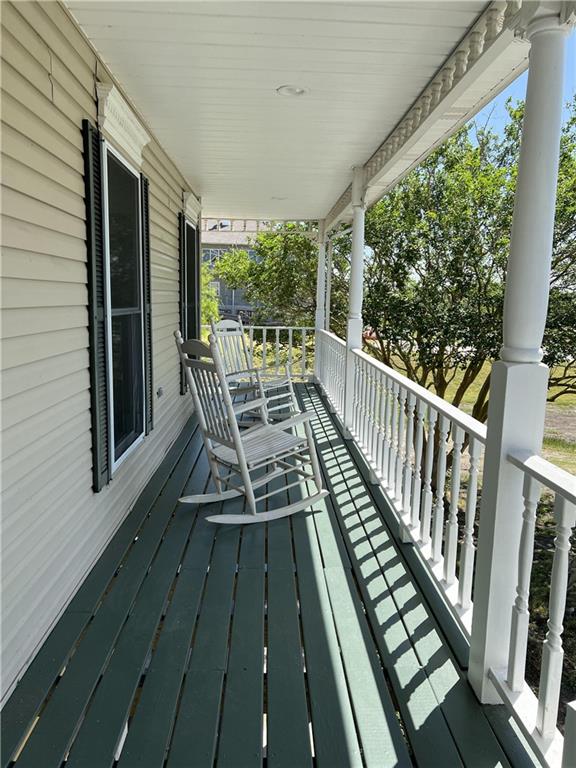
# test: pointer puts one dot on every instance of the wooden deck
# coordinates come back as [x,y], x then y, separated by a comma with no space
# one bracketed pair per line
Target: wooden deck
[304,642]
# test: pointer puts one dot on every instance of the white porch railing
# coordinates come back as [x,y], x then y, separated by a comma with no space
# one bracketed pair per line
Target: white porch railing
[428,456]
[330,356]
[274,348]
[537,715]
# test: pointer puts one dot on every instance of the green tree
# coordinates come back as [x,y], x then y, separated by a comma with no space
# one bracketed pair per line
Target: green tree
[439,242]
[208,296]
[280,279]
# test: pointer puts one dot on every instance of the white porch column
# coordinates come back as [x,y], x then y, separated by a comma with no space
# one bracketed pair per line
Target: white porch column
[354,328]
[519,380]
[328,298]
[320,278]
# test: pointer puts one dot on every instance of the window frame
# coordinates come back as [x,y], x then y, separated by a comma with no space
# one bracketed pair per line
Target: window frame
[108,148]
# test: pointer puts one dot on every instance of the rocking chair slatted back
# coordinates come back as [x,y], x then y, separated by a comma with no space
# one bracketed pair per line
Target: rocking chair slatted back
[212,402]
[231,340]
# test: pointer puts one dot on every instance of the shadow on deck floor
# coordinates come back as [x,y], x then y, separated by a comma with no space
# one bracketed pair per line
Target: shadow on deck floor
[302,642]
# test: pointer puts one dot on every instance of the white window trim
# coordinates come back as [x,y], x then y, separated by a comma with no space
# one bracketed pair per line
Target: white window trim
[119,124]
[192,207]
[115,463]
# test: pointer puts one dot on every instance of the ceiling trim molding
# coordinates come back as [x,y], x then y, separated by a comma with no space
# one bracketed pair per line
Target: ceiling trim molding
[491,35]
[118,122]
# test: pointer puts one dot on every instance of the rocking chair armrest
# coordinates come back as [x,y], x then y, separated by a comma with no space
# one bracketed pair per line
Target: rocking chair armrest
[249,405]
[244,389]
[242,372]
[294,421]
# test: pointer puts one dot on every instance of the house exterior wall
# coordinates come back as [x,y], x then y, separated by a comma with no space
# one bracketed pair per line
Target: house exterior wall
[54,526]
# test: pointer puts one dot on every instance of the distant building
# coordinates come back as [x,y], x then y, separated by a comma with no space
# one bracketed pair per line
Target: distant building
[219,237]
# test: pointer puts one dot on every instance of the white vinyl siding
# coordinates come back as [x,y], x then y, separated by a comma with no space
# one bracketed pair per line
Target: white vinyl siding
[54,526]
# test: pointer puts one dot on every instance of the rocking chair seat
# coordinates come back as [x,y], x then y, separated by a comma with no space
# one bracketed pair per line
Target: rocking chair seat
[262,444]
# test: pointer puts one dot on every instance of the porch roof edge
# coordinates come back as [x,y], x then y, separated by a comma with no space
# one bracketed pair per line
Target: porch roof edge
[488,58]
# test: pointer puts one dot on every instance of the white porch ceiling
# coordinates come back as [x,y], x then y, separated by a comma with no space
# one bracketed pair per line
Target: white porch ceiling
[204,77]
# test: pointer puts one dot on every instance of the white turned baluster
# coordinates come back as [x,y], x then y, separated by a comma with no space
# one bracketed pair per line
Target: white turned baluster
[264,350]
[387,429]
[373,416]
[438,517]
[417,478]
[468,549]
[451,534]
[402,396]
[251,344]
[381,394]
[520,613]
[393,431]
[552,651]
[277,354]
[303,353]
[364,403]
[361,402]
[290,353]
[427,486]
[356,404]
[407,479]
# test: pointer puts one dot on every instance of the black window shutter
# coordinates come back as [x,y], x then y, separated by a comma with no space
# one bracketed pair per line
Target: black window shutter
[148,382]
[182,275]
[198,267]
[101,468]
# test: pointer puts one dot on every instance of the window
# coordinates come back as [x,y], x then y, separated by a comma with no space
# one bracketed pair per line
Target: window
[120,305]
[124,303]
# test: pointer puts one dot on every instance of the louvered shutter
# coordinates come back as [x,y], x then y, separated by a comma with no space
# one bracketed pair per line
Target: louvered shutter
[148,380]
[182,270]
[198,270]
[101,462]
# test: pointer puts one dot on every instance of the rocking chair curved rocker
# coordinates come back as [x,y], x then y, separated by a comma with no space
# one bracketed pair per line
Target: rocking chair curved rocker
[251,462]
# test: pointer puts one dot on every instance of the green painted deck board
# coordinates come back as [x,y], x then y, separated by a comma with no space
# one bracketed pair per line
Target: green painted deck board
[240,744]
[101,729]
[176,647]
[196,729]
[429,734]
[288,732]
[50,739]
[20,710]
[380,733]
[423,671]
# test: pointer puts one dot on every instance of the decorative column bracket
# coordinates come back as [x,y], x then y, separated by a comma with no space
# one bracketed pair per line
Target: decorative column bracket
[500,25]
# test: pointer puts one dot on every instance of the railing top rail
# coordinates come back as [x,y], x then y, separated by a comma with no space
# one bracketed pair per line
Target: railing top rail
[281,327]
[274,327]
[468,423]
[331,336]
[553,477]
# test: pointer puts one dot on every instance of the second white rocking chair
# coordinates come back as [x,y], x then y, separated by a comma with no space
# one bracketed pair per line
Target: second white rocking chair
[248,463]
[238,363]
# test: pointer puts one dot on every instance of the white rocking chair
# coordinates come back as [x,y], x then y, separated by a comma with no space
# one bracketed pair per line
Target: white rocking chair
[243,463]
[239,366]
